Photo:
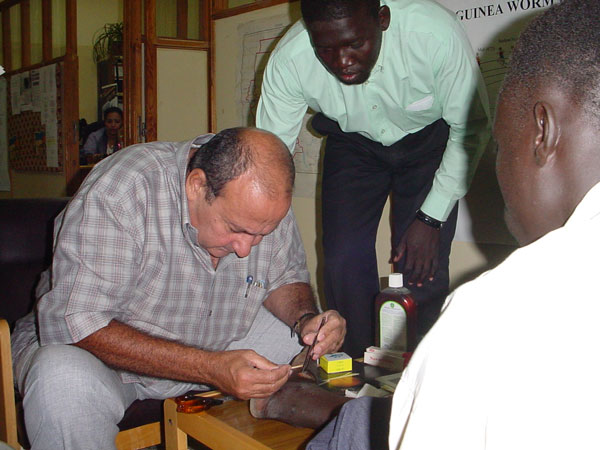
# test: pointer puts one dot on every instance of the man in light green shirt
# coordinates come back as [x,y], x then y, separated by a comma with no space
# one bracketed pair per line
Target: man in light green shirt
[399,94]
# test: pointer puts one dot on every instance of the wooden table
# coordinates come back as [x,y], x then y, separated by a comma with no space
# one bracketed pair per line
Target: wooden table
[230,427]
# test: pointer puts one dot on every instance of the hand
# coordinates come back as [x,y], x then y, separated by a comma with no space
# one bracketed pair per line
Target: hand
[245,374]
[420,246]
[331,335]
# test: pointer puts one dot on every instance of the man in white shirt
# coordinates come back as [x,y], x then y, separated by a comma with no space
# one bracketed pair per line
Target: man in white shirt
[511,363]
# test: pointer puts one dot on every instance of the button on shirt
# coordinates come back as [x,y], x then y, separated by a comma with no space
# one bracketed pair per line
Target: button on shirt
[126,250]
[426,70]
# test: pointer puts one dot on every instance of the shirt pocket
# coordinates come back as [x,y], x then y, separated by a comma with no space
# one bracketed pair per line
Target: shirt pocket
[255,290]
[421,112]
[422,104]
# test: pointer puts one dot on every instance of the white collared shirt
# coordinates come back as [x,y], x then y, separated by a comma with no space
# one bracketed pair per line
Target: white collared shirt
[512,363]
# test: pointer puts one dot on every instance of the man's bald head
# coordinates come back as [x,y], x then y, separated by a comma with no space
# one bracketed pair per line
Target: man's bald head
[237,151]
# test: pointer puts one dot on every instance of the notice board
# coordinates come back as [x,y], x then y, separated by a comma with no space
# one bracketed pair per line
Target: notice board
[34,120]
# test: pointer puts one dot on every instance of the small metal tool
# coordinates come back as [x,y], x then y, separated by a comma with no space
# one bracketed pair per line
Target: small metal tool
[310,349]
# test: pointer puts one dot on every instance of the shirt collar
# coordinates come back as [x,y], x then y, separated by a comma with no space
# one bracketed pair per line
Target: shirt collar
[389,50]
[587,208]
[378,67]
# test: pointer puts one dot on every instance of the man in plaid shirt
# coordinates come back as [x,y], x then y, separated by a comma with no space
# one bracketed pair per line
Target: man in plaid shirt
[176,266]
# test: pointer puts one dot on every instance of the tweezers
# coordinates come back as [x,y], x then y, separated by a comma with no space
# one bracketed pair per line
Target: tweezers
[310,349]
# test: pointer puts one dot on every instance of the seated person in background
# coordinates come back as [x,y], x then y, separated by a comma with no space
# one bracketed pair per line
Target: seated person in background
[106,140]
[176,266]
[512,361]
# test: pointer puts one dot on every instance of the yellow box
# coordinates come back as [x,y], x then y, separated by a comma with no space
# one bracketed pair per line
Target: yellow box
[335,362]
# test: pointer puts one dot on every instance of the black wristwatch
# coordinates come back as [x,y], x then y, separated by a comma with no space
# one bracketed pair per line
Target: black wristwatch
[428,220]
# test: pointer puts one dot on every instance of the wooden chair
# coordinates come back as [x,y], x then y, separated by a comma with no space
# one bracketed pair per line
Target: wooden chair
[25,250]
[134,438]
[8,411]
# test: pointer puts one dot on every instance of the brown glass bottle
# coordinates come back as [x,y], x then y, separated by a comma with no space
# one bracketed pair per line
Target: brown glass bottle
[396,316]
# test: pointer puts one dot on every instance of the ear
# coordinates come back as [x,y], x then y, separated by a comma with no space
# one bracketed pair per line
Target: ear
[546,133]
[384,18]
[195,184]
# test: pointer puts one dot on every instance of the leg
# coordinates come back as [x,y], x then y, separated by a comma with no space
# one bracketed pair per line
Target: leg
[300,403]
[362,424]
[71,399]
[354,190]
[419,156]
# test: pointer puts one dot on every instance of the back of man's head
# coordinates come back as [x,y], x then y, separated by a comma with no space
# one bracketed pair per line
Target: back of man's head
[324,10]
[237,151]
[547,119]
[561,46]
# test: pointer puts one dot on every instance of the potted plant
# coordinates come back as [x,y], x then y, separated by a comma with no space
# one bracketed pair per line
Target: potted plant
[108,41]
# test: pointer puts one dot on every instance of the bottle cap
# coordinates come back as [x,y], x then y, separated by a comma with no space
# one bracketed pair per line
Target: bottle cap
[395,280]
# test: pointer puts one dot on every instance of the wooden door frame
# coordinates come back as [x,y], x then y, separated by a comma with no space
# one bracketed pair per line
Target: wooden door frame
[70,114]
[132,71]
[136,128]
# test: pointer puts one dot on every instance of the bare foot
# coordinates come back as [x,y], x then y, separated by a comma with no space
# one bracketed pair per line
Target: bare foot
[300,403]
[258,407]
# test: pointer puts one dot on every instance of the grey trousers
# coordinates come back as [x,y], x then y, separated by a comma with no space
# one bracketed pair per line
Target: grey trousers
[362,424]
[72,400]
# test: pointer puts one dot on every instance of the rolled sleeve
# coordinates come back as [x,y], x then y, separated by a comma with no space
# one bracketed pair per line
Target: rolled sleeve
[289,259]
[96,268]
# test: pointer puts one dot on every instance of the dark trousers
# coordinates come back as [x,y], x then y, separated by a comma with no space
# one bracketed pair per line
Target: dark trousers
[358,176]
[362,424]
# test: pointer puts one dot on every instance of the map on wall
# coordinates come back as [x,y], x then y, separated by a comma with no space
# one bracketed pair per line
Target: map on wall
[258,38]
[492,28]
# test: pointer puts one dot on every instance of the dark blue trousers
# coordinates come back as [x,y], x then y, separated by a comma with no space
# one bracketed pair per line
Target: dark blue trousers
[362,424]
[358,176]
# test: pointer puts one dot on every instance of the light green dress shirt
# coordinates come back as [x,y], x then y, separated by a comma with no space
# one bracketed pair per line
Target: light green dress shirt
[426,70]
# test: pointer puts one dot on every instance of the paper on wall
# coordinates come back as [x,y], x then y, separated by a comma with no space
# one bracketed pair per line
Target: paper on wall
[36,99]
[15,94]
[25,97]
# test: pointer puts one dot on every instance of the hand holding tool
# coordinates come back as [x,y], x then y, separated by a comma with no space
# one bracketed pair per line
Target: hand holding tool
[310,349]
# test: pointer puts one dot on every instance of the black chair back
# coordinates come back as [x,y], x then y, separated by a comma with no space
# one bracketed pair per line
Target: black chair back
[25,251]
